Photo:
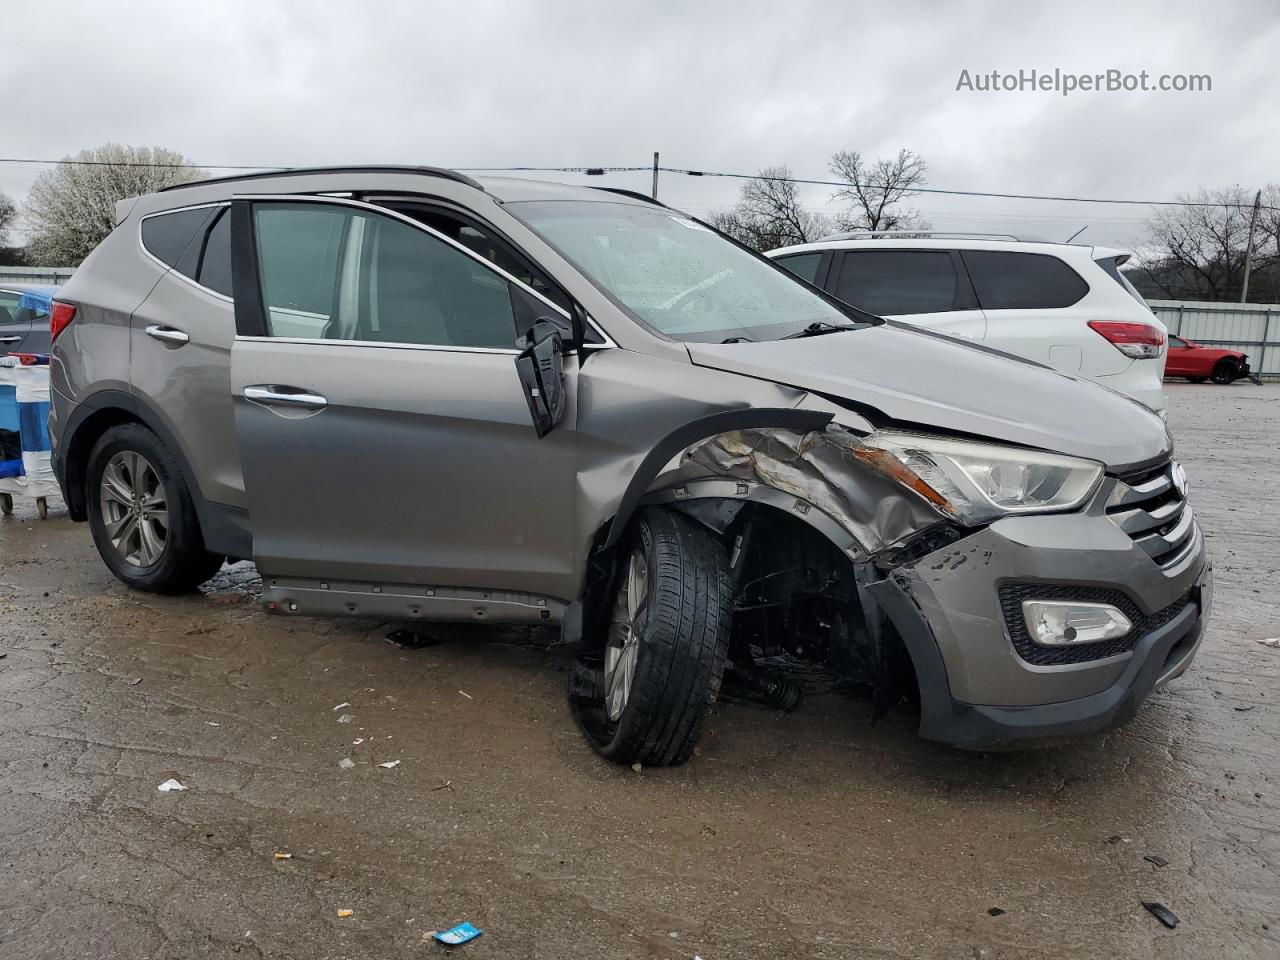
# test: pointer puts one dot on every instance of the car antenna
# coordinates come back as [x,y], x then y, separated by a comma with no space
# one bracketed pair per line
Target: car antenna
[1077,233]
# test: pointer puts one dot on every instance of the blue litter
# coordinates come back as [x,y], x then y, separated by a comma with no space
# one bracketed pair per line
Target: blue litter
[459,934]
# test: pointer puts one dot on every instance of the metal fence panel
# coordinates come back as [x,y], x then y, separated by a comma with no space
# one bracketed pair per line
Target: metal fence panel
[50,276]
[1253,328]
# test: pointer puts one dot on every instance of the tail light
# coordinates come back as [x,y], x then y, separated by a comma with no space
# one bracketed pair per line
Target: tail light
[60,318]
[1141,341]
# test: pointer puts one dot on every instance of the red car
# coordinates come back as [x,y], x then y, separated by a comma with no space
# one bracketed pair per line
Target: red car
[1198,364]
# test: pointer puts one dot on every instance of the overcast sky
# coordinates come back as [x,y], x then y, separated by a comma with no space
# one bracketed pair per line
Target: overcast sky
[731,86]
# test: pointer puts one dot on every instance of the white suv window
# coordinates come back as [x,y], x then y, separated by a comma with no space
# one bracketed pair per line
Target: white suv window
[1022,281]
[899,282]
[336,273]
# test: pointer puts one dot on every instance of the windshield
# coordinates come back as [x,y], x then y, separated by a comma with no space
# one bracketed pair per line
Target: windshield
[677,276]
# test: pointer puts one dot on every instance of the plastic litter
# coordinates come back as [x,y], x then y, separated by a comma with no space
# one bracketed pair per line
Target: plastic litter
[340,706]
[1272,642]
[462,933]
[1157,860]
[346,763]
[357,741]
[467,695]
[410,639]
[389,764]
[210,723]
[1161,913]
[284,856]
[346,718]
[171,786]
[345,913]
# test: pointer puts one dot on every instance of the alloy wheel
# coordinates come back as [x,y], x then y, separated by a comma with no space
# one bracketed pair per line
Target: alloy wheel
[630,615]
[135,514]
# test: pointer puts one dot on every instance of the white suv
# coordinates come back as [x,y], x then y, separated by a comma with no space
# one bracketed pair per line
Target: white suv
[1061,304]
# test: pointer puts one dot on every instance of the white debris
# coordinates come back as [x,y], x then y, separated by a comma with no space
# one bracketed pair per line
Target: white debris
[211,723]
[357,741]
[389,764]
[170,786]
[346,718]
[467,695]
[340,706]
[1272,642]
[346,763]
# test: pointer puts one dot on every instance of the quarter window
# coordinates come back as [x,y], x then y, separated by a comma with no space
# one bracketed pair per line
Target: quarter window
[215,261]
[167,235]
[1022,281]
[898,282]
[333,273]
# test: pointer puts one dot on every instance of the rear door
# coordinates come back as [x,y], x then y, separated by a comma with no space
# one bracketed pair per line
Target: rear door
[1026,297]
[15,322]
[925,287]
[383,431]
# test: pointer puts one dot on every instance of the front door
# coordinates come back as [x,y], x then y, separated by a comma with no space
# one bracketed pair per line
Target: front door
[924,287]
[383,430]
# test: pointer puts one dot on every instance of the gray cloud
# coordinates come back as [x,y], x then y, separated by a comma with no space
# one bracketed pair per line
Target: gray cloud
[713,85]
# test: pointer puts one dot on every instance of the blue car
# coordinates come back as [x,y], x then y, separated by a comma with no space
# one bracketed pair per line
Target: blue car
[24,318]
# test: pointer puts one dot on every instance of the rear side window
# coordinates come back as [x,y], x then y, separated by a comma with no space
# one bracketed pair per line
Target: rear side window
[896,282]
[1022,281]
[166,236]
[1112,269]
[803,265]
[214,270]
[333,273]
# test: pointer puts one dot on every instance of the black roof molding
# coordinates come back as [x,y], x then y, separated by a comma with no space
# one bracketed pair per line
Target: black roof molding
[442,172]
[633,194]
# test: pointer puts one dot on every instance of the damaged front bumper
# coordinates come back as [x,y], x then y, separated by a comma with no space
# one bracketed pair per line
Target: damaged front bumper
[984,684]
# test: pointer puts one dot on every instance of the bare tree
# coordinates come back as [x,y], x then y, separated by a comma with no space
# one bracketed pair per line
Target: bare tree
[8,214]
[71,207]
[1198,251]
[769,213]
[875,189]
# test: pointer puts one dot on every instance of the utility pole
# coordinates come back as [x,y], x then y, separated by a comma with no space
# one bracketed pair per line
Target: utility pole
[1248,250]
[655,174]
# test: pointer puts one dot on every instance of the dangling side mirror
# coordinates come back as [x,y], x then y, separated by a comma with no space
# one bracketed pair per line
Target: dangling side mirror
[540,367]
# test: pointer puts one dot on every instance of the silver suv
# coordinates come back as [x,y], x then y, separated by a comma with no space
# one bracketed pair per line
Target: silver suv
[410,395]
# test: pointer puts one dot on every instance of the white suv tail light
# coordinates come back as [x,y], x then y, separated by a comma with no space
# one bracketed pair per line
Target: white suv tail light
[1141,341]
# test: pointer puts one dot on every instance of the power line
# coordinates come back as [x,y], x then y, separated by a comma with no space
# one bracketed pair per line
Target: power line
[600,171]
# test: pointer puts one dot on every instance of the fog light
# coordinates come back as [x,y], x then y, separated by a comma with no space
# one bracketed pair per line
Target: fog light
[1056,624]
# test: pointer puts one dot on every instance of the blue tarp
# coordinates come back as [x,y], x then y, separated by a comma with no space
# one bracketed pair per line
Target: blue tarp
[39,299]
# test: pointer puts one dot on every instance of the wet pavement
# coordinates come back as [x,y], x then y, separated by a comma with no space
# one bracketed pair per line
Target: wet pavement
[811,835]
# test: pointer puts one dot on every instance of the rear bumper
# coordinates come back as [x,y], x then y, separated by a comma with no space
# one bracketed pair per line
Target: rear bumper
[977,692]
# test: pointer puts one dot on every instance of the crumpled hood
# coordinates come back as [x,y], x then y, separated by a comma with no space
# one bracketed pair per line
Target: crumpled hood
[928,380]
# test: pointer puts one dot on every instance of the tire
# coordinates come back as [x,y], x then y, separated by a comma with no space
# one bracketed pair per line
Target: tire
[146,486]
[1197,379]
[677,650]
[1225,371]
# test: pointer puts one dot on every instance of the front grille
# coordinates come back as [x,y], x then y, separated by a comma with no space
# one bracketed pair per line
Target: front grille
[1151,508]
[1012,595]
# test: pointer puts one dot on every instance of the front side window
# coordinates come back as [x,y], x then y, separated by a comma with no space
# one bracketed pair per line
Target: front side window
[899,282]
[336,273]
[1177,343]
[1022,281]
[803,265]
[676,276]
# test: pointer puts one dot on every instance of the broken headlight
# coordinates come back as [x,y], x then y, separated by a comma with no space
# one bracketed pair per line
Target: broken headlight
[979,482]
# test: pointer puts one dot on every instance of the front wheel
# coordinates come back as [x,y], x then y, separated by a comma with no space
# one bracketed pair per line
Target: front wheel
[141,515]
[642,692]
[1224,372]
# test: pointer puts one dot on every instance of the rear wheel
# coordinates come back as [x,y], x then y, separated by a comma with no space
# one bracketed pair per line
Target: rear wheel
[1225,371]
[642,692]
[141,514]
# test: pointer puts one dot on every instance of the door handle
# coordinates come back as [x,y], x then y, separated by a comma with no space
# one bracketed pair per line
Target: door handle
[10,339]
[167,334]
[275,394]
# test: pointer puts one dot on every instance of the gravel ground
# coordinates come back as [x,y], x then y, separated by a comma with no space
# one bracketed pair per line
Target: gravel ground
[811,835]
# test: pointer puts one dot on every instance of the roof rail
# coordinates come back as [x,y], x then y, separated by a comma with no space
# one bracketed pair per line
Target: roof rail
[921,235]
[442,172]
[633,194]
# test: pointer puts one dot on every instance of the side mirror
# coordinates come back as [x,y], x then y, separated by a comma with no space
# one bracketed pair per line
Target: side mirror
[540,367]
